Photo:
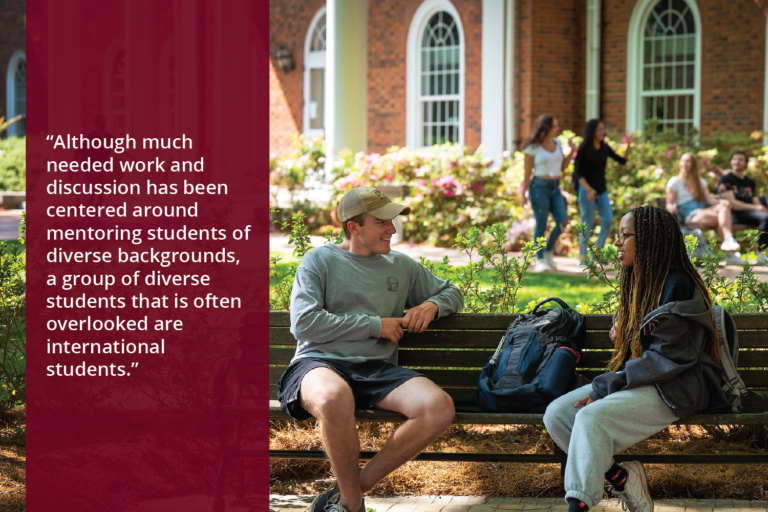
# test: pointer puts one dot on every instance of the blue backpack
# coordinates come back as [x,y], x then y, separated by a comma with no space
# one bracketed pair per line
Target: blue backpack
[535,361]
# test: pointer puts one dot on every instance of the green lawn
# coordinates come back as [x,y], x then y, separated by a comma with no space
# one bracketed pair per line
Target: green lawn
[572,289]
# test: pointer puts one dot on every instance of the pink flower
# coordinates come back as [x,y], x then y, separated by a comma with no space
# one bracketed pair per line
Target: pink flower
[477,186]
[506,154]
[668,154]
[389,178]
[705,161]
[421,183]
[489,163]
[624,139]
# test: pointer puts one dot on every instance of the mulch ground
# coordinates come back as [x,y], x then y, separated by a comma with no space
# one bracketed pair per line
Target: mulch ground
[704,481]
[13,460]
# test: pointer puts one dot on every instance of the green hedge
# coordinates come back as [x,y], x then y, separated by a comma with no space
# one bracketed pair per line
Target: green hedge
[13,164]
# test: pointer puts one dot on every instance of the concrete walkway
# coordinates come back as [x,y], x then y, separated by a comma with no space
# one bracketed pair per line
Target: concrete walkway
[278,242]
[203,503]
[479,504]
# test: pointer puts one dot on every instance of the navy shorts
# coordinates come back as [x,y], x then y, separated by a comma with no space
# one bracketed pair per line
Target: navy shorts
[370,381]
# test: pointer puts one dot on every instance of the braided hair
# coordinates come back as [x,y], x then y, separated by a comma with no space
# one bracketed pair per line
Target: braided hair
[659,245]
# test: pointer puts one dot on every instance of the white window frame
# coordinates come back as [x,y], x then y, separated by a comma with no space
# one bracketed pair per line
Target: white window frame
[10,91]
[413,132]
[635,55]
[314,60]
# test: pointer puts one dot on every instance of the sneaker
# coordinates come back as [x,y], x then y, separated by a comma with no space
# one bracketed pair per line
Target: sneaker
[550,259]
[635,496]
[336,504]
[331,496]
[732,259]
[730,245]
[541,266]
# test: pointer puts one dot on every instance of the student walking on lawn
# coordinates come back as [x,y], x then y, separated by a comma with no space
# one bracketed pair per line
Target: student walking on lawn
[665,366]
[544,163]
[347,316]
[589,179]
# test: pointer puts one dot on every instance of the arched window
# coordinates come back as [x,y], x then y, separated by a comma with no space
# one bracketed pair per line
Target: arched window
[314,77]
[435,76]
[16,87]
[117,94]
[667,56]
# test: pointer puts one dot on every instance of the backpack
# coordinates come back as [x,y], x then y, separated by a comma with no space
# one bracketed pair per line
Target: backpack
[535,361]
[731,382]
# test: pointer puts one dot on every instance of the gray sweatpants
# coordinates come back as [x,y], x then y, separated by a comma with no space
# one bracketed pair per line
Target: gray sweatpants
[591,435]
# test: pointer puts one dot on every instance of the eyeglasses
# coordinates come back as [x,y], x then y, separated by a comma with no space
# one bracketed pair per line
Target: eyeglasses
[622,237]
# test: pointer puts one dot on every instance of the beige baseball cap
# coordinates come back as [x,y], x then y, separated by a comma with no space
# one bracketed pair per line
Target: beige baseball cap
[369,200]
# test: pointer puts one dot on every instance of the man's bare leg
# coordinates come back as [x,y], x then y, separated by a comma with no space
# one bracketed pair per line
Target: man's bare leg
[327,397]
[429,410]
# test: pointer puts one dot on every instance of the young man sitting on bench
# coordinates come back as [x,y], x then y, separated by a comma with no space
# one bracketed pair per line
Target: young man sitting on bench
[347,317]
[741,193]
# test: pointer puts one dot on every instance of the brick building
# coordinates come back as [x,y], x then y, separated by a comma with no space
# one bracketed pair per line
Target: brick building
[13,64]
[376,73]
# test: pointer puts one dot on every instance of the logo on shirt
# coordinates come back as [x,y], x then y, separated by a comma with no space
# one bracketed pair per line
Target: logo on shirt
[392,283]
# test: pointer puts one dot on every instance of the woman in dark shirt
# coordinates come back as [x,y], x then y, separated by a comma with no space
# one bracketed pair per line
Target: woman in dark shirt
[589,180]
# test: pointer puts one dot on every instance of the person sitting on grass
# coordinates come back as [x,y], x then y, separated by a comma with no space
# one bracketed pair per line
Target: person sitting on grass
[665,365]
[741,194]
[689,199]
[347,317]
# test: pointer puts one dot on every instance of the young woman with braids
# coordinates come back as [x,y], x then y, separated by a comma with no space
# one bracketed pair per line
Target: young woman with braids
[665,365]
[544,163]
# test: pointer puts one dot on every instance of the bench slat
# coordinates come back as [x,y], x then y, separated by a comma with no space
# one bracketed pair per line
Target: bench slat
[466,395]
[484,418]
[468,378]
[478,358]
[475,321]
[490,339]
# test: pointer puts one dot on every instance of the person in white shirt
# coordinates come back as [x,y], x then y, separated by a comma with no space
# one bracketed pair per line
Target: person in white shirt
[689,199]
[544,163]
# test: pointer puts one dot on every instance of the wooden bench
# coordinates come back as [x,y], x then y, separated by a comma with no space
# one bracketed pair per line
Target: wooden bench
[451,353]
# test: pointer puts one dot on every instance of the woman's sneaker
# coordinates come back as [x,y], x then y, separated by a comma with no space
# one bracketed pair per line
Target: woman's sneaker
[550,259]
[732,259]
[635,496]
[730,245]
[541,266]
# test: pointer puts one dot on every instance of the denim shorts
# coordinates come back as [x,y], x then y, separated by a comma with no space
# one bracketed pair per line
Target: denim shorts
[686,210]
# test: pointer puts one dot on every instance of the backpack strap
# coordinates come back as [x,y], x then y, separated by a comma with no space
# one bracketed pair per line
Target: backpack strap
[551,299]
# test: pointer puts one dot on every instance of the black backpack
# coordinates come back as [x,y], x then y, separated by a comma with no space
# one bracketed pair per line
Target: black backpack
[535,361]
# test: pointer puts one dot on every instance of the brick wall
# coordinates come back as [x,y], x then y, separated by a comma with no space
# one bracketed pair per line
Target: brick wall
[733,64]
[288,24]
[388,26]
[550,63]
[12,38]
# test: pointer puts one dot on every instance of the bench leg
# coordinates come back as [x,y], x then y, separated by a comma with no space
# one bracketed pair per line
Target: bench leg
[563,457]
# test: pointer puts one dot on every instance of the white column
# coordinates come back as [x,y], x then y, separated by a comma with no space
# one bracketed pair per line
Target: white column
[593,59]
[492,91]
[509,77]
[346,77]
[141,68]
[64,98]
[187,52]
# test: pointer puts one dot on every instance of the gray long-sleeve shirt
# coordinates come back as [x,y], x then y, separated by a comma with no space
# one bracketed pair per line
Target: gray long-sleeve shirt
[339,299]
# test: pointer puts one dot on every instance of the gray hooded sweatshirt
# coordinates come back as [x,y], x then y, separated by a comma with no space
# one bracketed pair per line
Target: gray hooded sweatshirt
[673,338]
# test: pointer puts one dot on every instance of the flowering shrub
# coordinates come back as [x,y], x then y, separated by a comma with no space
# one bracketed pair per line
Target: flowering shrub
[305,164]
[450,190]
